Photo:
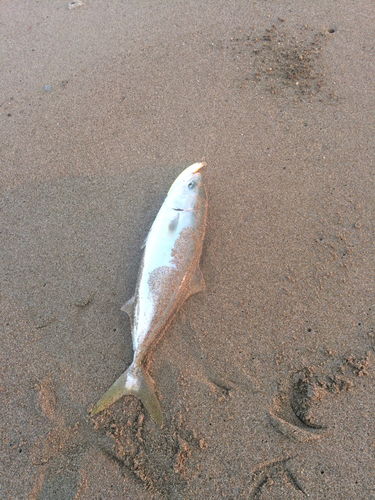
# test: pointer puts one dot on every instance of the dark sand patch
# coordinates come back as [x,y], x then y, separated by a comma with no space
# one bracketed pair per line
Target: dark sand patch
[283,63]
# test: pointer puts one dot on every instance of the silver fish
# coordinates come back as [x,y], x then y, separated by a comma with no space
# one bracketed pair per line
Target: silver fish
[168,275]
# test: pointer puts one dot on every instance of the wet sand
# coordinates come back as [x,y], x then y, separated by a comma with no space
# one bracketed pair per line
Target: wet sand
[266,379]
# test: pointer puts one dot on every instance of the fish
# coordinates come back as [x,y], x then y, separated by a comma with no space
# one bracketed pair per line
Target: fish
[169,273]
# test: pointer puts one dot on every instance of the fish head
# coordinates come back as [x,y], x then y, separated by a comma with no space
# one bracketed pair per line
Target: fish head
[187,189]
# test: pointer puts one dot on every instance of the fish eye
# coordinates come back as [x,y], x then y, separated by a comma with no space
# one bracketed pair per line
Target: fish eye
[192,184]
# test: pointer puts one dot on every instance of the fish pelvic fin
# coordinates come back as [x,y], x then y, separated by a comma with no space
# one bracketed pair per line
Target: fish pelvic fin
[128,307]
[197,283]
[136,382]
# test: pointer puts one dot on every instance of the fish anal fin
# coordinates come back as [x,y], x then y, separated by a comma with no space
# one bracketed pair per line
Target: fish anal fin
[197,283]
[128,307]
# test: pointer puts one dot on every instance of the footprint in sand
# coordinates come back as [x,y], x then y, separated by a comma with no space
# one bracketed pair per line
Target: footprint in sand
[272,474]
[158,458]
[294,408]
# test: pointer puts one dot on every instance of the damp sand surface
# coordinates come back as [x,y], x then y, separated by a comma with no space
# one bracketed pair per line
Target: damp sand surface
[266,379]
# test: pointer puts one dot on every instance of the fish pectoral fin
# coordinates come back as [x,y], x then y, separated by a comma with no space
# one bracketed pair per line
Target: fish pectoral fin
[173,223]
[128,307]
[197,283]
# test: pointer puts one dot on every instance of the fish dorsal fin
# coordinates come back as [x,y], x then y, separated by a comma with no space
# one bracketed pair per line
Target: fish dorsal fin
[128,307]
[197,283]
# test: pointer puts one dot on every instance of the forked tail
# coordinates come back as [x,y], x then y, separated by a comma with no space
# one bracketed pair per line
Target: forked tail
[134,381]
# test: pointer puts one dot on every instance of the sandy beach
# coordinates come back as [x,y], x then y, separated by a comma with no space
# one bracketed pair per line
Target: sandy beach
[265,379]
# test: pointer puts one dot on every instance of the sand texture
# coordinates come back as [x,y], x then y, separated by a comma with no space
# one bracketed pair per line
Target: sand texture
[265,379]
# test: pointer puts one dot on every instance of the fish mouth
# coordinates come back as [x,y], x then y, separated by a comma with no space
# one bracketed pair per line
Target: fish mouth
[199,166]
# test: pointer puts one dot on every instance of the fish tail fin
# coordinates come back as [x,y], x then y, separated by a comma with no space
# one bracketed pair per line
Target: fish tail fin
[136,382]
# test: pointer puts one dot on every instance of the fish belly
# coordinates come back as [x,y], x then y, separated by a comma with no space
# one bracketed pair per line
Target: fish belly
[169,261]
